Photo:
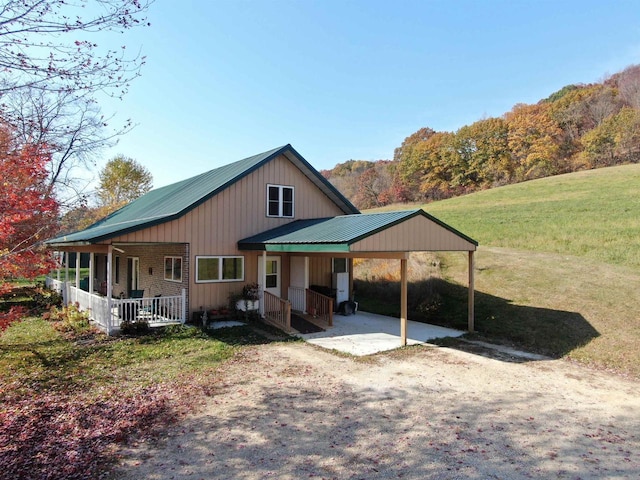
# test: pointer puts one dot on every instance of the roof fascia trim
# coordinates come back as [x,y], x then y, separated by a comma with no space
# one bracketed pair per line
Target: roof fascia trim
[422,213]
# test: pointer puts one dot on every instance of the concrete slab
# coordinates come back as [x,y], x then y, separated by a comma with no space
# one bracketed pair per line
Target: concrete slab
[368,333]
[225,324]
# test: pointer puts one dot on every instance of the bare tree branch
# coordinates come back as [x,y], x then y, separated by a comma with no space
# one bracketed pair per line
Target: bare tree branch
[41,47]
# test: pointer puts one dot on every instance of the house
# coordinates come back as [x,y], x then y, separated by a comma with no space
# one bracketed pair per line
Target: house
[271,219]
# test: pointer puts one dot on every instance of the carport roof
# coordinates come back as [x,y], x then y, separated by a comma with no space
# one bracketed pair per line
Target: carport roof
[335,234]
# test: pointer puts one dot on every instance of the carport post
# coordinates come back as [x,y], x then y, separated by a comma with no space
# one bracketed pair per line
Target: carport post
[471,292]
[403,301]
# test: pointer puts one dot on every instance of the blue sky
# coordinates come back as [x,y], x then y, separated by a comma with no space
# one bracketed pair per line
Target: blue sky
[349,79]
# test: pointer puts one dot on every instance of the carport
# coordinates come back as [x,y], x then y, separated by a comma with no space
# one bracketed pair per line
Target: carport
[388,235]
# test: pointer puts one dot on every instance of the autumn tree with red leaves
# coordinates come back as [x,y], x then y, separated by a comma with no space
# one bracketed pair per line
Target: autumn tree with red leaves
[56,64]
[29,211]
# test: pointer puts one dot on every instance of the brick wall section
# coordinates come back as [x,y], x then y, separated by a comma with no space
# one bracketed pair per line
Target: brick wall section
[151,258]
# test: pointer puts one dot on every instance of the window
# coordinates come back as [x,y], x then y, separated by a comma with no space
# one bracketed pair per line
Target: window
[173,269]
[340,265]
[279,201]
[272,274]
[219,269]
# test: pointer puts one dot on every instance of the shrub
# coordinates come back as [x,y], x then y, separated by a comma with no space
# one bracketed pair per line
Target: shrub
[43,300]
[69,319]
[134,327]
[251,292]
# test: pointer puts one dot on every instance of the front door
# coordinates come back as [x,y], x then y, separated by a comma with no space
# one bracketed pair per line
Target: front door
[272,280]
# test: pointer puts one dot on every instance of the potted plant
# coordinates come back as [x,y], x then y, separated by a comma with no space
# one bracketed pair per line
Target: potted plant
[250,298]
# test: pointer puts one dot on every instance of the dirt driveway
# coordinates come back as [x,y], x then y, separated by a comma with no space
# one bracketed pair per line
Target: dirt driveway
[292,411]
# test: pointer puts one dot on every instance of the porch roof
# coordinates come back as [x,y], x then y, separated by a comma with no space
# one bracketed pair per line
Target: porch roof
[397,231]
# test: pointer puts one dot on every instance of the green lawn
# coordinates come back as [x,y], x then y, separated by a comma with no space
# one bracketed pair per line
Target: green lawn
[68,402]
[594,214]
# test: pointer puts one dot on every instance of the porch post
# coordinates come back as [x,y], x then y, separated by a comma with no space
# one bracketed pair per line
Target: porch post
[58,258]
[77,274]
[184,305]
[65,295]
[263,281]
[109,288]
[306,283]
[471,292]
[91,266]
[350,269]
[403,301]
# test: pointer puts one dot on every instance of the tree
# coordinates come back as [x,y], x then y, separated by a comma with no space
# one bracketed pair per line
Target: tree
[484,154]
[440,163]
[42,45]
[534,141]
[344,176]
[373,186]
[616,140]
[629,86]
[73,129]
[409,167]
[29,211]
[122,180]
[53,71]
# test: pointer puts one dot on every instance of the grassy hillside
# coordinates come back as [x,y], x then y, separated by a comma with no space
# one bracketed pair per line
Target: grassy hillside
[558,268]
[595,213]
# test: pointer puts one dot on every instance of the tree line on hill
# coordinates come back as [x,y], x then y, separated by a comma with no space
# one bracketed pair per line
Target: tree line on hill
[579,127]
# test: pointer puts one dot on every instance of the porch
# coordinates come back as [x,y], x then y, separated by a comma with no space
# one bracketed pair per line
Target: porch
[109,313]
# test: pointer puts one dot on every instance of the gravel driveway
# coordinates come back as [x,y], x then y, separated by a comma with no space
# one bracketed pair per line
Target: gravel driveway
[292,411]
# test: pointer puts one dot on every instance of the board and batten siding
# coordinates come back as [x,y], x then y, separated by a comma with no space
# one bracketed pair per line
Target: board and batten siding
[215,226]
[415,234]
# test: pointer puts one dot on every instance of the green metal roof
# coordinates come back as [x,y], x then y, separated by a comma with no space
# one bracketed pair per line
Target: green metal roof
[332,234]
[172,201]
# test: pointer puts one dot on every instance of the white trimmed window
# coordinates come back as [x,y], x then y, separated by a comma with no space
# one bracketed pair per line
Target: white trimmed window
[173,269]
[219,269]
[280,201]
[339,265]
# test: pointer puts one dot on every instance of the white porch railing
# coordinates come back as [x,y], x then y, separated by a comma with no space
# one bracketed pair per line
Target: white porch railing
[298,298]
[157,311]
[56,286]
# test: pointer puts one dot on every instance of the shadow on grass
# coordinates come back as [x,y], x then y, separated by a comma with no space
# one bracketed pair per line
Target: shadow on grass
[554,333]
[252,333]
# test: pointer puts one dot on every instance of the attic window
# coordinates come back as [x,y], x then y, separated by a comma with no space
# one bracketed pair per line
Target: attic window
[279,201]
